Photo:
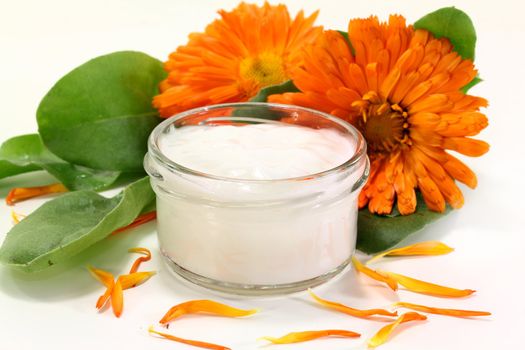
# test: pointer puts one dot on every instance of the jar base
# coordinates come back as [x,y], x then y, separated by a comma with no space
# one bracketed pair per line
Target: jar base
[252,289]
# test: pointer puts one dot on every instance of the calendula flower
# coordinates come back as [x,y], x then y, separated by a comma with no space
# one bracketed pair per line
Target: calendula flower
[401,88]
[247,49]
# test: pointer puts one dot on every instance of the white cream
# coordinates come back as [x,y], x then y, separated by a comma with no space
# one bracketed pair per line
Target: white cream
[257,151]
[257,232]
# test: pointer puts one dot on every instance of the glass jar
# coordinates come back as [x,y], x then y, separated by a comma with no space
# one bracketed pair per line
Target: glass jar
[256,236]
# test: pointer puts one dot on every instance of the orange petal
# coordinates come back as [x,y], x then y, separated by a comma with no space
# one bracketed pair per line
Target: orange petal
[382,335]
[421,248]
[17,217]
[142,219]
[349,310]
[205,306]
[374,274]
[117,299]
[104,277]
[134,279]
[103,299]
[439,311]
[466,146]
[23,193]
[423,287]
[107,279]
[140,260]
[199,344]
[297,337]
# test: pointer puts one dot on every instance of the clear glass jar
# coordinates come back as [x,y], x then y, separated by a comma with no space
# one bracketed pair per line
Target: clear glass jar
[256,236]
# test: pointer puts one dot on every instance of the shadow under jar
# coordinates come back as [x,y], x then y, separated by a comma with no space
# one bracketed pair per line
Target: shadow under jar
[236,212]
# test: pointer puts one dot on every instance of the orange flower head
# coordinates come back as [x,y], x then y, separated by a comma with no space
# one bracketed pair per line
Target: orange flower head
[401,88]
[247,49]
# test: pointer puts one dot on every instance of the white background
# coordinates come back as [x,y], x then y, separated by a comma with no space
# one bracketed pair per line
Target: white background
[42,40]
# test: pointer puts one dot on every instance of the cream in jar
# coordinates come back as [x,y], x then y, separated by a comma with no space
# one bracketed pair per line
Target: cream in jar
[252,207]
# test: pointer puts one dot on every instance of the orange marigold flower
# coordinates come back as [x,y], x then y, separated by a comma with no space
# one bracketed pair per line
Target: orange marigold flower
[402,89]
[245,50]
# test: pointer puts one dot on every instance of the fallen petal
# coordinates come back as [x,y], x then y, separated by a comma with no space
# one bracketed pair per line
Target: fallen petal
[440,311]
[423,287]
[297,337]
[104,277]
[22,193]
[140,220]
[349,310]
[421,248]
[196,343]
[204,306]
[382,335]
[141,259]
[117,299]
[134,279]
[107,279]
[374,274]
[103,299]
[17,217]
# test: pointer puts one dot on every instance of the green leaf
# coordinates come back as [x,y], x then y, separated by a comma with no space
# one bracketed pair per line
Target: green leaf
[100,114]
[262,111]
[8,169]
[347,38]
[262,96]
[377,233]
[27,153]
[474,82]
[68,224]
[454,24]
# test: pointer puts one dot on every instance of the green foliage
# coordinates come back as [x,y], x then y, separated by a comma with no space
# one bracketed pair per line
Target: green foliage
[474,82]
[377,233]
[66,225]
[262,96]
[100,114]
[347,39]
[454,24]
[8,169]
[27,153]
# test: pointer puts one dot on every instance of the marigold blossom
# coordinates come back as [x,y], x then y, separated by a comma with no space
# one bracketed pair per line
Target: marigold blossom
[401,88]
[247,49]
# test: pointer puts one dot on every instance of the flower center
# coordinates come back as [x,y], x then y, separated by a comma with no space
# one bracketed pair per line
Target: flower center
[383,125]
[265,69]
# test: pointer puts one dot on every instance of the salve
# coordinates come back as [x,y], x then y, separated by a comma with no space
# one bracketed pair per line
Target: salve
[256,151]
[255,206]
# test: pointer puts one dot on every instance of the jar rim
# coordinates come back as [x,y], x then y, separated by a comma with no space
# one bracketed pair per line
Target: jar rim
[155,152]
